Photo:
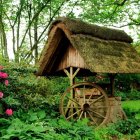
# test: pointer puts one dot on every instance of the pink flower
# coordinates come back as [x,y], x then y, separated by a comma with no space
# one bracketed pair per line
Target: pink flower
[1,67]
[1,94]
[9,112]
[6,82]
[3,75]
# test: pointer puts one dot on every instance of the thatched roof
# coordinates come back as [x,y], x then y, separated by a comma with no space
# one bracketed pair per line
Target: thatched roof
[77,26]
[107,56]
[103,49]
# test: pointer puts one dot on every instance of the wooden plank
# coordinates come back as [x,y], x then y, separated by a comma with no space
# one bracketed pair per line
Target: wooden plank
[52,49]
[71,58]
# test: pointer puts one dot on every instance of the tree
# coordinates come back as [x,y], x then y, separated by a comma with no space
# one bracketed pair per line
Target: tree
[27,21]
[118,13]
[3,39]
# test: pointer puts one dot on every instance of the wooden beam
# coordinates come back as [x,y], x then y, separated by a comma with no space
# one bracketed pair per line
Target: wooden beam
[71,75]
[75,73]
[67,73]
[112,84]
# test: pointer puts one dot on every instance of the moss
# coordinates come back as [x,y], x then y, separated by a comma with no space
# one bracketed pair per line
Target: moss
[107,56]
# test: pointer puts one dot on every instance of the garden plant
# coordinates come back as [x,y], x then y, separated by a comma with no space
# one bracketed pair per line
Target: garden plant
[29,110]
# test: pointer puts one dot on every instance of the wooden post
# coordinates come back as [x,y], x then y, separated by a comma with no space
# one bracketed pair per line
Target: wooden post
[71,74]
[112,84]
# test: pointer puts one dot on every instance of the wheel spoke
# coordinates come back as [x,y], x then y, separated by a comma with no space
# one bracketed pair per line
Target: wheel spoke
[92,117]
[72,100]
[73,114]
[67,107]
[81,115]
[90,97]
[77,91]
[97,113]
[97,99]
[84,98]
[85,113]
[100,107]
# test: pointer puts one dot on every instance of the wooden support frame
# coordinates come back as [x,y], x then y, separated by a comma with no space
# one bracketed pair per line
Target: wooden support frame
[71,74]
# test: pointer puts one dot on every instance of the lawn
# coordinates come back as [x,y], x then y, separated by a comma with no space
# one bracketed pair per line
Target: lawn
[132,108]
[132,105]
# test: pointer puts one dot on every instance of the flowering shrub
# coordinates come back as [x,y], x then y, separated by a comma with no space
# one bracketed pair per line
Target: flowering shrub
[1,95]
[3,75]
[9,112]
[3,80]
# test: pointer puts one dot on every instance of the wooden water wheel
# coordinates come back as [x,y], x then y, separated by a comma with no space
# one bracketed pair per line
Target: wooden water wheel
[85,100]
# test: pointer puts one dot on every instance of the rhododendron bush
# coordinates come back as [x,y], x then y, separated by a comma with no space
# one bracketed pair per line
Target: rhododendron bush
[4,80]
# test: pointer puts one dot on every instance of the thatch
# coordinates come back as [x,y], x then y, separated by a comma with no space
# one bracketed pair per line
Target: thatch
[104,50]
[77,26]
[107,56]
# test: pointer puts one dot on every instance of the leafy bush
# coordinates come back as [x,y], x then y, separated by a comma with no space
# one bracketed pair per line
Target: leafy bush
[36,117]
[122,95]
[128,126]
[25,89]
[137,134]
[132,108]
[4,81]
[123,81]
[130,113]
[133,94]
[34,125]
[108,133]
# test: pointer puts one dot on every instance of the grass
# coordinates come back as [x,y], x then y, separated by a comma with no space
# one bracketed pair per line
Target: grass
[132,105]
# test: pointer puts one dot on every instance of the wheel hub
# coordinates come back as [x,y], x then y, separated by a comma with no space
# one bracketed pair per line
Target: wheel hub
[85,107]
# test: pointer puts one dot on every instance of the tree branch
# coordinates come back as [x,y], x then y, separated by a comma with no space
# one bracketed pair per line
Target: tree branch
[30,23]
[118,5]
[35,45]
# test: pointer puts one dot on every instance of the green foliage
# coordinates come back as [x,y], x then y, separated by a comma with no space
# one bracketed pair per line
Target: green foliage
[25,89]
[132,113]
[137,134]
[132,94]
[110,12]
[123,82]
[108,133]
[132,108]
[128,126]
[36,127]
[132,105]
[35,103]
[107,12]
[121,94]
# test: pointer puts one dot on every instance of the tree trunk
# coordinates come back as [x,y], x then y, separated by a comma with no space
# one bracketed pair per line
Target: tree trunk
[36,40]
[3,37]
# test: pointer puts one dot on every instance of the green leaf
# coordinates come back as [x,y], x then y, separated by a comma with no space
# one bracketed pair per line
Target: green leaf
[41,114]
[4,122]
[1,109]
[33,117]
